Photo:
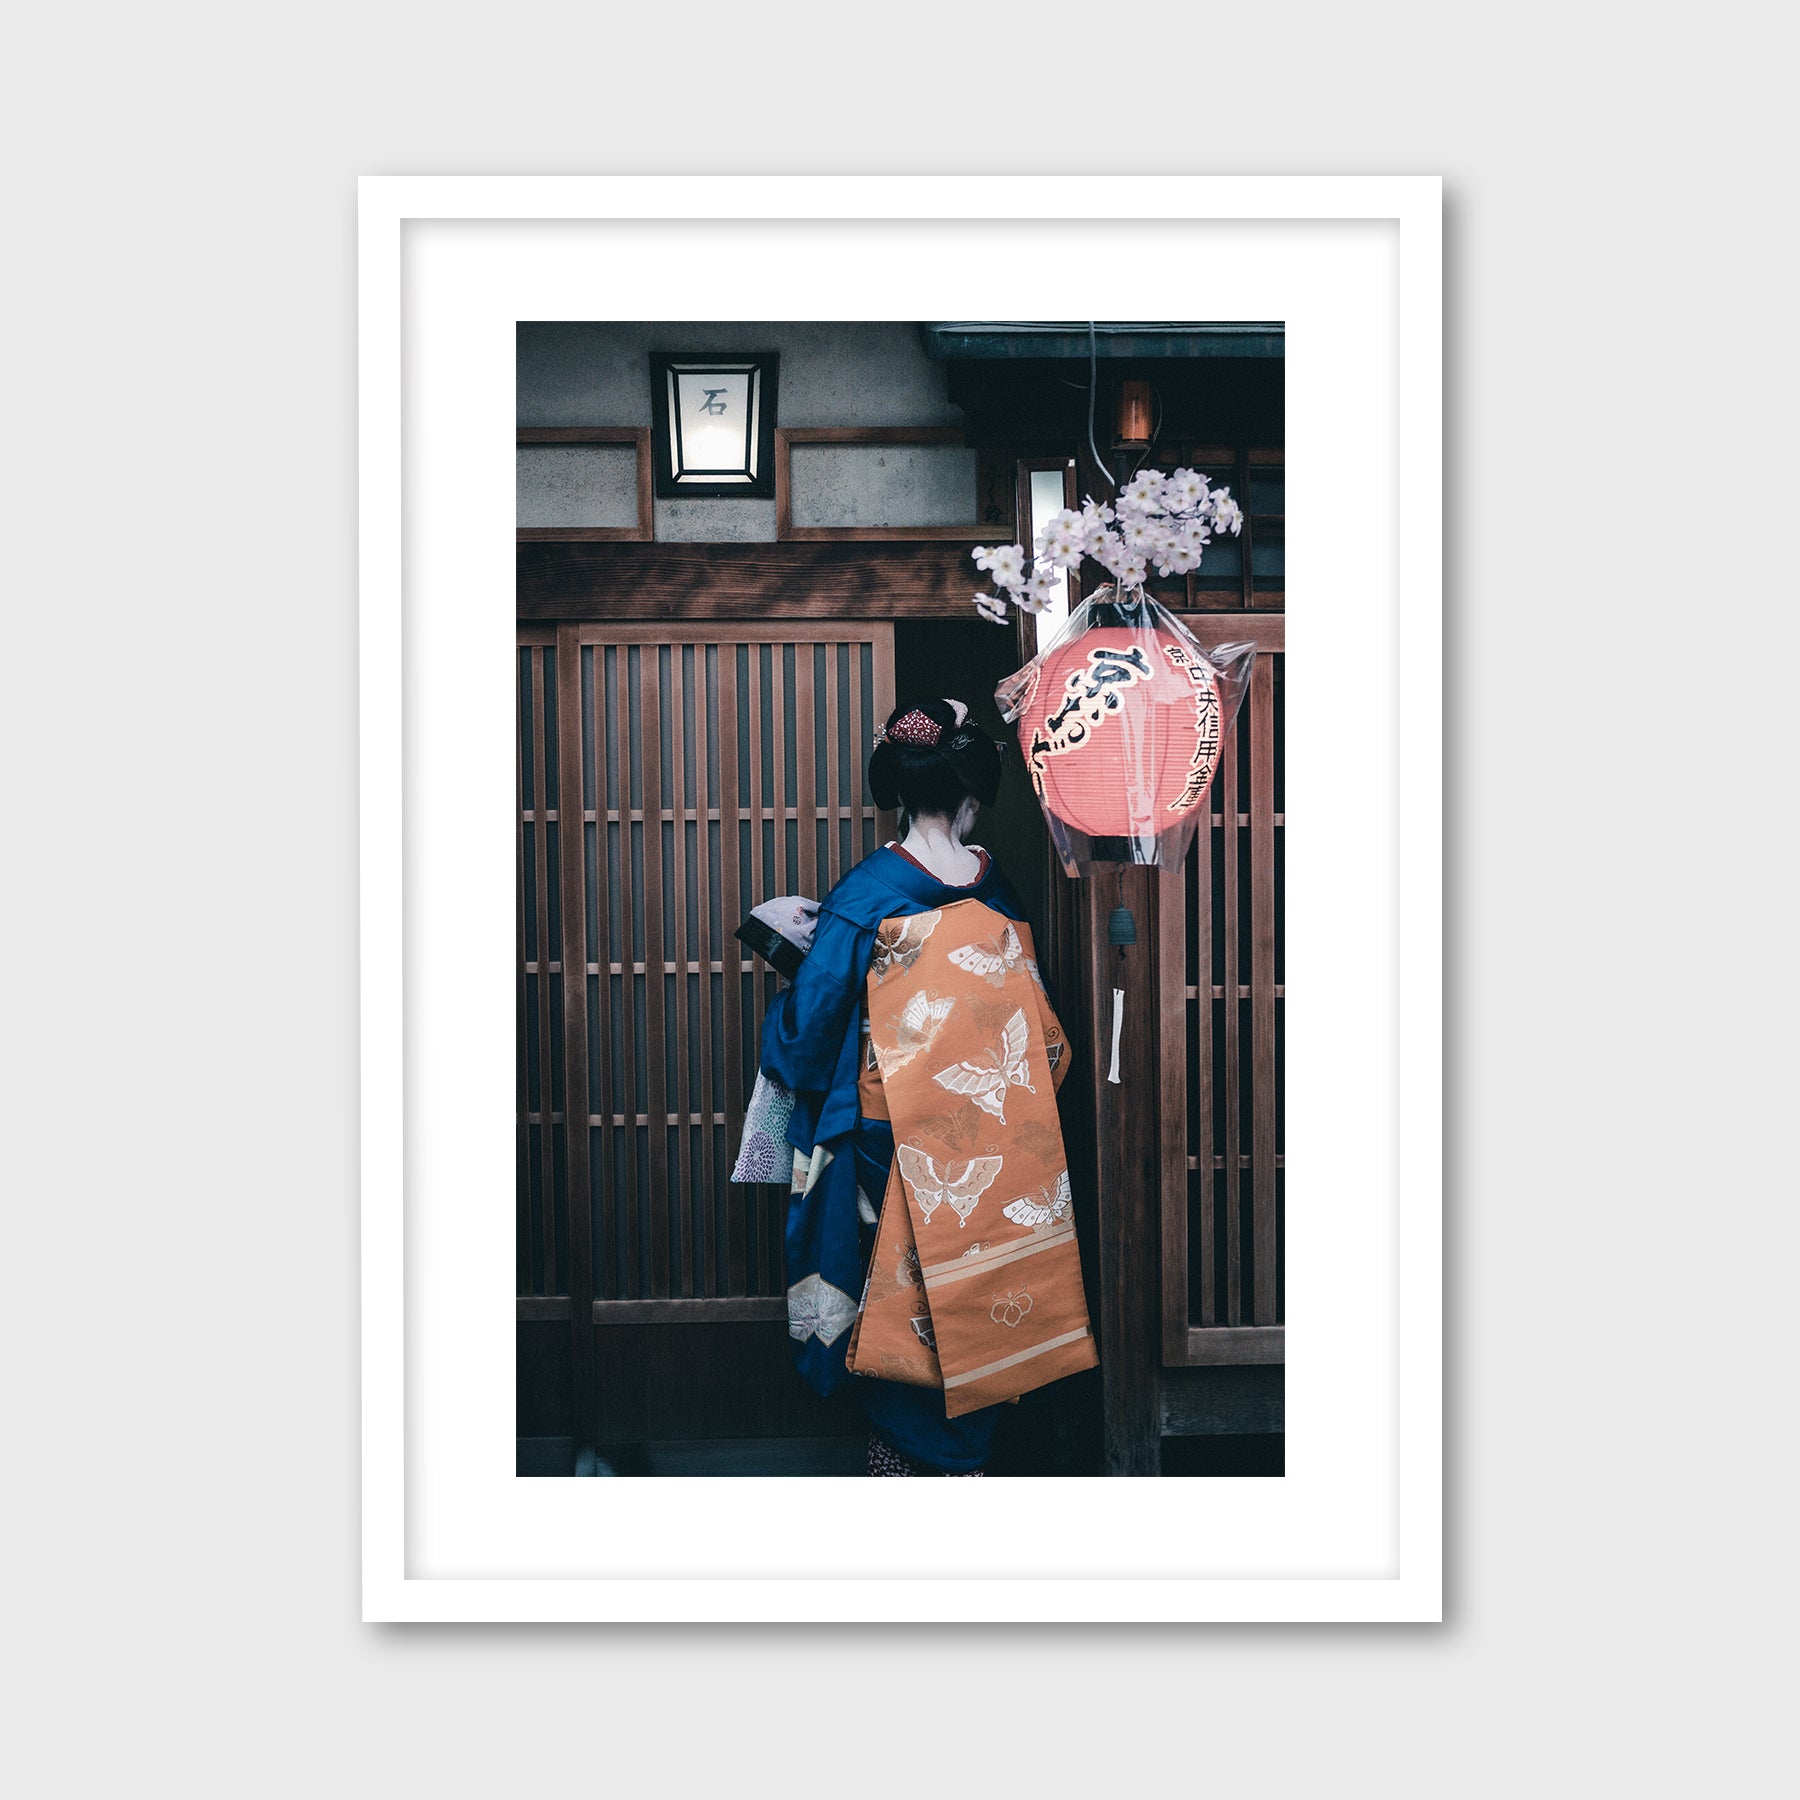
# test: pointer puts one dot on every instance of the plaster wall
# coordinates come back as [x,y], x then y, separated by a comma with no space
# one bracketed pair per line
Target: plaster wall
[831,374]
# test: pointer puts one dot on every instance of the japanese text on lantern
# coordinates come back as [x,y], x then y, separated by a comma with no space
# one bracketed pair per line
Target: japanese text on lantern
[1206,726]
[1091,693]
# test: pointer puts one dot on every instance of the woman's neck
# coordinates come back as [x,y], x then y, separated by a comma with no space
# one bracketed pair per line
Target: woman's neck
[938,845]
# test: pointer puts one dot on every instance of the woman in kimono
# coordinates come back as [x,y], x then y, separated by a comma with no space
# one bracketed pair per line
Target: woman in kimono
[939,769]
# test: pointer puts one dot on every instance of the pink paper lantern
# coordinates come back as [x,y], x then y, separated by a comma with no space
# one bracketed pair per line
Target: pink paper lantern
[1122,732]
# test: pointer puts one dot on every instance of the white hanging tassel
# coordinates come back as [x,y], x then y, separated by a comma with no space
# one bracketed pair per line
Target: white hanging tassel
[1112,1074]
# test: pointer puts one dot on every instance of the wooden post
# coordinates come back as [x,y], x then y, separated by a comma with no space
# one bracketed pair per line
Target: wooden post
[571,754]
[1127,1172]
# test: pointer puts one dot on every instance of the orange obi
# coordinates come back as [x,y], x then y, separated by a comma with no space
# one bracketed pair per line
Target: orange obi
[975,1282]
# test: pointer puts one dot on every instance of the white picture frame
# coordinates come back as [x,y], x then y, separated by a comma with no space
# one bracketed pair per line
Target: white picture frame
[1353,1530]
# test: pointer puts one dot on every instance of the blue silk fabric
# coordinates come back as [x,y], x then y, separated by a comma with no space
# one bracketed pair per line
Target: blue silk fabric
[812,1044]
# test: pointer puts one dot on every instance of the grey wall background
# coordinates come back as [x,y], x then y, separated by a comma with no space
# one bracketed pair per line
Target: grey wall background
[831,374]
[180,561]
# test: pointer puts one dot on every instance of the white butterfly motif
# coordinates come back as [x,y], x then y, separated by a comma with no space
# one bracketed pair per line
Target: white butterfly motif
[918,1025]
[899,941]
[1053,1205]
[986,1083]
[962,1185]
[993,957]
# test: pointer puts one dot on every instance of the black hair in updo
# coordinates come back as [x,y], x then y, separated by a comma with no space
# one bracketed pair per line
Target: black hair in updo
[932,781]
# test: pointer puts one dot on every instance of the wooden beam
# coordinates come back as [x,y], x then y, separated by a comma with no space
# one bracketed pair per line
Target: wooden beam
[618,580]
[1236,1344]
[1267,631]
[697,1311]
[1223,1402]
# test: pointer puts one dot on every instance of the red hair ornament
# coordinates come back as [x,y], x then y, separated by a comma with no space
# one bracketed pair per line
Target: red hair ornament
[1122,721]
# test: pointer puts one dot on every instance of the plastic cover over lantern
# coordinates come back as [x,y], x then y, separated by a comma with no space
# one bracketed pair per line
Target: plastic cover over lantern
[1122,719]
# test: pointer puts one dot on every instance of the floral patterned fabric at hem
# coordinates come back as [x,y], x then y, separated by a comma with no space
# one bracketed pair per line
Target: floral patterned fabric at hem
[765,1154]
[884,1459]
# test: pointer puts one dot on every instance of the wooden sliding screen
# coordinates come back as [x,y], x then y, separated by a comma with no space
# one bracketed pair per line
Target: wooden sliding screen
[1223,996]
[710,767]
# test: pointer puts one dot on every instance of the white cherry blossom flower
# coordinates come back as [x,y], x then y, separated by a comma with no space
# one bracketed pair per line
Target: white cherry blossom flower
[1226,516]
[992,607]
[1006,563]
[1062,539]
[1142,533]
[1106,547]
[1095,537]
[1043,587]
[1110,551]
[1144,491]
[1185,490]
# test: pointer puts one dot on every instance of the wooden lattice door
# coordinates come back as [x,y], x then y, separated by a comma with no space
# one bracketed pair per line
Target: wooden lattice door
[711,767]
[1223,997]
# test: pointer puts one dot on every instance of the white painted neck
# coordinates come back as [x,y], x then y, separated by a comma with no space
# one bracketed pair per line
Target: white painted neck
[938,844]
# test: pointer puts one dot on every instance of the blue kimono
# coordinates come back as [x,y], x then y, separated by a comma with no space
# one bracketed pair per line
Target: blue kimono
[812,1044]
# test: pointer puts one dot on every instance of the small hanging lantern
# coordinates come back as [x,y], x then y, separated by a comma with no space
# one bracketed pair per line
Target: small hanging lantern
[1134,430]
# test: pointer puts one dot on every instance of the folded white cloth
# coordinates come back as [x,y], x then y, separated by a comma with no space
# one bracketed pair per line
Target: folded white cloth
[781,932]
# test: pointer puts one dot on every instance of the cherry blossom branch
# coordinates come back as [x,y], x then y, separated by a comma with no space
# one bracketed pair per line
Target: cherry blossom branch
[1159,520]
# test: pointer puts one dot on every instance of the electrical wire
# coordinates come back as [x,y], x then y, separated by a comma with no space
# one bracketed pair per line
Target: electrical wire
[1093,387]
[1093,384]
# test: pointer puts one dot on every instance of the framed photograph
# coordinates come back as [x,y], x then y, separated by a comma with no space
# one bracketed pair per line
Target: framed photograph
[827,949]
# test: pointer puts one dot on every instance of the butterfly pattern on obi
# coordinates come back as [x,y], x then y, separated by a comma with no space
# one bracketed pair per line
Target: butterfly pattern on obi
[914,1031]
[986,1082]
[993,957]
[1050,1206]
[921,1325]
[899,941]
[961,1185]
